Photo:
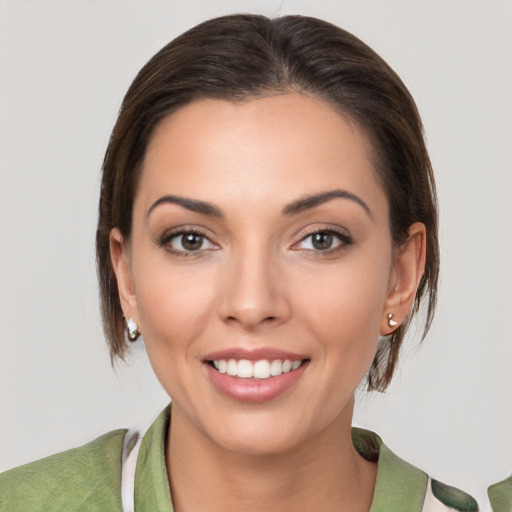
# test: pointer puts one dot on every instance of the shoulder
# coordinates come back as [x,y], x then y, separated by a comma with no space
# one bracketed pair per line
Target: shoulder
[402,486]
[84,478]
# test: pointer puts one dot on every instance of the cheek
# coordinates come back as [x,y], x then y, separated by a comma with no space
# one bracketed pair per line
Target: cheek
[342,307]
[174,306]
[174,302]
[354,297]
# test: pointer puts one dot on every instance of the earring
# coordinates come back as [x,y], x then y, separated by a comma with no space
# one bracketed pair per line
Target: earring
[391,322]
[132,328]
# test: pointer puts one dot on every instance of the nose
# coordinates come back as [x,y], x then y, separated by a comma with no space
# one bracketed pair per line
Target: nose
[253,290]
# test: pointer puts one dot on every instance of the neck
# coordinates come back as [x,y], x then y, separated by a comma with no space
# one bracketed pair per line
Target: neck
[323,473]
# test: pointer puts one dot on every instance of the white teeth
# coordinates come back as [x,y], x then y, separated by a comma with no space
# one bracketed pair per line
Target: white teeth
[244,369]
[232,367]
[276,367]
[262,369]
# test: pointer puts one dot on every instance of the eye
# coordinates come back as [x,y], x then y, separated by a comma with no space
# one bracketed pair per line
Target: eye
[326,240]
[187,242]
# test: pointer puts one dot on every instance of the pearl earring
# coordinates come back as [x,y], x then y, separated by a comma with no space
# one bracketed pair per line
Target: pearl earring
[132,328]
[391,322]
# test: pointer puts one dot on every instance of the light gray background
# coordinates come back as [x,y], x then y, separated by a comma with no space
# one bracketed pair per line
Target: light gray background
[65,66]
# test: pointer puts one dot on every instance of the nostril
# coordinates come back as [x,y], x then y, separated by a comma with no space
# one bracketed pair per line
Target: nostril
[264,319]
[254,308]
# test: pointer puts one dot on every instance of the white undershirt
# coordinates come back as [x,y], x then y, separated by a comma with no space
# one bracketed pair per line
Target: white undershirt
[131,447]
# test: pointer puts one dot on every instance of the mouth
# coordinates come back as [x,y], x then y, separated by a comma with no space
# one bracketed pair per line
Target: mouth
[261,369]
[254,376]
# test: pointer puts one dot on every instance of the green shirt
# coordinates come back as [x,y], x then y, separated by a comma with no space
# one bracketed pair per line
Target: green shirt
[89,478]
[500,495]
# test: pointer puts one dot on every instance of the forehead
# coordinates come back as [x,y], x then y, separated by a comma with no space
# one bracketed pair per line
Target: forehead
[262,150]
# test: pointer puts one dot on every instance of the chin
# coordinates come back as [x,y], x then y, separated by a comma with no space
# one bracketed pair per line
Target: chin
[258,443]
[264,431]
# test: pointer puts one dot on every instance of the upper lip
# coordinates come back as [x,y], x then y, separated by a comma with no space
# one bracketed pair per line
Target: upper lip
[254,354]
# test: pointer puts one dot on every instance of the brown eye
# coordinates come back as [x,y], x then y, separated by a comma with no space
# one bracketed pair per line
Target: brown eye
[188,242]
[191,241]
[322,241]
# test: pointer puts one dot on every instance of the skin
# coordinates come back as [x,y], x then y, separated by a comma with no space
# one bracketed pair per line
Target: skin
[257,280]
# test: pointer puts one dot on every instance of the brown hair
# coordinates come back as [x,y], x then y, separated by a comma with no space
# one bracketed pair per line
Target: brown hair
[244,56]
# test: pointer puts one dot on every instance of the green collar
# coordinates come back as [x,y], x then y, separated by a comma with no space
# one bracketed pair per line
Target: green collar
[500,495]
[399,485]
[151,483]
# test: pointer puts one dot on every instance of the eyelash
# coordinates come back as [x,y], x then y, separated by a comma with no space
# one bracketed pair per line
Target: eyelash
[168,237]
[344,240]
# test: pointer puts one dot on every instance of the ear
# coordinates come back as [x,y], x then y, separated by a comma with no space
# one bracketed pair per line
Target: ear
[408,268]
[119,254]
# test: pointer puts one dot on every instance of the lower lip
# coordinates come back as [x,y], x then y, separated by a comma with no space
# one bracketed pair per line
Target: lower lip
[254,390]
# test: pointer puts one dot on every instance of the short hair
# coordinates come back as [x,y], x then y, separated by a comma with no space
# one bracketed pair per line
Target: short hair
[240,57]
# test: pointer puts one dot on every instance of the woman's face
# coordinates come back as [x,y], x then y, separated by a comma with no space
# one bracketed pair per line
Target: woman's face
[260,241]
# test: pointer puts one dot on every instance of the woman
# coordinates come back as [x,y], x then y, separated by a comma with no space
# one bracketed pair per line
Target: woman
[268,223]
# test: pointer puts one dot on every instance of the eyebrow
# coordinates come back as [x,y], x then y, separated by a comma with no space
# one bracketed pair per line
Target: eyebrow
[309,202]
[298,206]
[193,205]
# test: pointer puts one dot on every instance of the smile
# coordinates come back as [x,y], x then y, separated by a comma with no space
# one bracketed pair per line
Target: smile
[262,369]
[254,376]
